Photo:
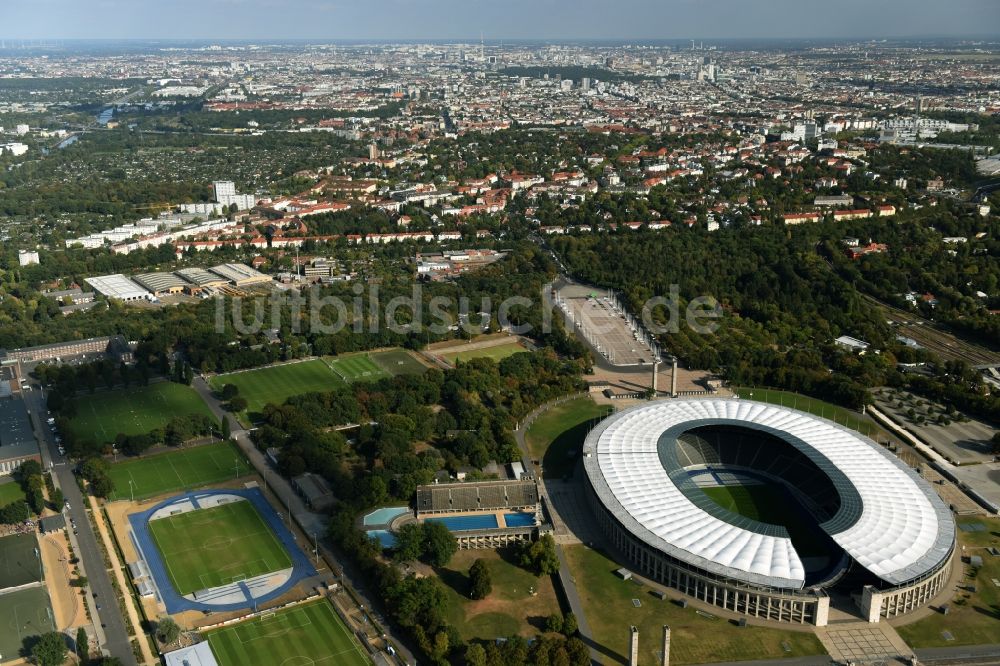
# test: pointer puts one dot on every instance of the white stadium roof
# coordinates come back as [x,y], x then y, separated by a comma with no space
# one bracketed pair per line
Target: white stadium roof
[900,531]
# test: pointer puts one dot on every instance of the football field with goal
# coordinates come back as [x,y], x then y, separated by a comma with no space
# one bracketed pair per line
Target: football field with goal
[217,546]
[312,633]
[183,469]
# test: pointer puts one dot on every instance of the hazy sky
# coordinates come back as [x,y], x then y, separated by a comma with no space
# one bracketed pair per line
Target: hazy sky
[496,19]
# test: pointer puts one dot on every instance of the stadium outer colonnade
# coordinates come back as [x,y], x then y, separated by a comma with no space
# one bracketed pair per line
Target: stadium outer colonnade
[808,607]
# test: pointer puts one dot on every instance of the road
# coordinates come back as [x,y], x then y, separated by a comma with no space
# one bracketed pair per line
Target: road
[108,623]
[311,523]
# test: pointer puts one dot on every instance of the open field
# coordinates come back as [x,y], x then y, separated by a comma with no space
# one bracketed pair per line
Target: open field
[308,634]
[183,469]
[840,415]
[495,352]
[19,564]
[556,437]
[973,617]
[357,367]
[607,601]
[509,609]
[23,614]
[277,383]
[133,411]
[11,492]
[217,546]
[398,362]
[772,505]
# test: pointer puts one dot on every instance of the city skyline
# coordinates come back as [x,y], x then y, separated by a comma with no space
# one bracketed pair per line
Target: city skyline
[452,20]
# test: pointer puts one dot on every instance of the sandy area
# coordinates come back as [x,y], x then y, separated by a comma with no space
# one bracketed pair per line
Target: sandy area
[67,602]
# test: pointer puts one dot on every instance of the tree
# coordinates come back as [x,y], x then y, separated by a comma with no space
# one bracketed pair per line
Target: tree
[50,650]
[409,542]
[554,623]
[480,581]
[82,645]
[570,625]
[475,655]
[540,557]
[227,428]
[167,630]
[439,544]
[230,391]
[996,443]
[57,498]
[238,404]
[102,486]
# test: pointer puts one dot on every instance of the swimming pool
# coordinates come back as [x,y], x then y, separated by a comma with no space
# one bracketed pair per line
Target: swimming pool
[519,519]
[384,515]
[385,537]
[464,523]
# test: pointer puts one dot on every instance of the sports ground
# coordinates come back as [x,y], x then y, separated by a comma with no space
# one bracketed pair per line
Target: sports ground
[308,634]
[19,565]
[23,614]
[11,492]
[217,546]
[133,411]
[277,383]
[496,352]
[772,505]
[182,469]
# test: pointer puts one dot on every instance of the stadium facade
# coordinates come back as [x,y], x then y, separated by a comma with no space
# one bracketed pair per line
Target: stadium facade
[866,524]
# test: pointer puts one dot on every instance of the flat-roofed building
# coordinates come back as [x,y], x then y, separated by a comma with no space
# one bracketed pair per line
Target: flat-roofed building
[114,347]
[118,287]
[201,278]
[240,275]
[162,283]
[17,439]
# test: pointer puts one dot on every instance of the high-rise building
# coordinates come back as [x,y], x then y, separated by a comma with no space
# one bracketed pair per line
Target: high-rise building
[224,188]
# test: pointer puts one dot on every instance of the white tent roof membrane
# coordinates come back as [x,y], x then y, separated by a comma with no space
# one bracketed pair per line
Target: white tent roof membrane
[901,531]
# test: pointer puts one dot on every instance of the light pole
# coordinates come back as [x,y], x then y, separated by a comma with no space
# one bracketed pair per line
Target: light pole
[131,490]
[316,548]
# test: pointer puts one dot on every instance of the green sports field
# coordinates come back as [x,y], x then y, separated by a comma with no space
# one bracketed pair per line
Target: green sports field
[11,492]
[23,614]
[398,362]
[19,564]
[355,368]
[134,411]
[216,546]
[772,505]
[497,353]
[308,634]
[277,383]
[183,469]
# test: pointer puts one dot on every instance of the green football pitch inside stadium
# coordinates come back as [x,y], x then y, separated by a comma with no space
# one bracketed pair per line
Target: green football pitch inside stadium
[183,469]
[308,634]
[19,563]
[134,411]
[23,614]
[773,505]
[217,546]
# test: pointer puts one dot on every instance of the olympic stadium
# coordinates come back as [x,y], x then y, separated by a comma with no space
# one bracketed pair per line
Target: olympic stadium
[767,511]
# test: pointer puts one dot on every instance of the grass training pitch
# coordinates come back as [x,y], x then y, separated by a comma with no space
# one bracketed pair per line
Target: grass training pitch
[496,352]
[277,383]
[23,614]
[308,634]
[355,368]
[183,469]
[19,565]
[217,546]
[134,411]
